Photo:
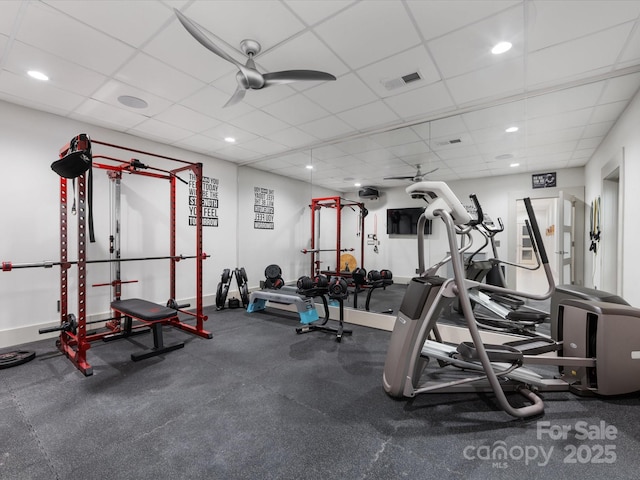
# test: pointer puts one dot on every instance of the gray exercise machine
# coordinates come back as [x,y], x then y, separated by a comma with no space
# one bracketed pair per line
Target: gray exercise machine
[598,341]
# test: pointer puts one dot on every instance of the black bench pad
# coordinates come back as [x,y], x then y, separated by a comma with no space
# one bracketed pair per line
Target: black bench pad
[143,309]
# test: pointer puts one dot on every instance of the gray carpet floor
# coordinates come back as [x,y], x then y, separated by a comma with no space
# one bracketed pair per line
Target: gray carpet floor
[259,401]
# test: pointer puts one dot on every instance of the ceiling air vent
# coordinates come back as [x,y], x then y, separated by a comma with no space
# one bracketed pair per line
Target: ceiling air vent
[402,81]
[453,141]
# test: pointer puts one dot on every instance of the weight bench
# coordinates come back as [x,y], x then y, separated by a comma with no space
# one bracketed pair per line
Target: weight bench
[150,313]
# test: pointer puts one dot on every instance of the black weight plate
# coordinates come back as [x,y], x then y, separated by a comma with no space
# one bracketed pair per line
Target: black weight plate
[17,357]
[219,299]
[244,294]
[272,272]
[243,274]
[226,274]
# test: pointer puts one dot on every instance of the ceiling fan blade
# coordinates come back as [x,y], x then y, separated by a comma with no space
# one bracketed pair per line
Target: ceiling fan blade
[289,76]
[196,33]
[404,177]
[430,171]
[236,97]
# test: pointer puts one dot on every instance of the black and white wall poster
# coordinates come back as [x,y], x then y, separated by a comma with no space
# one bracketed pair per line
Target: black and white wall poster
[209,201]
[263,210]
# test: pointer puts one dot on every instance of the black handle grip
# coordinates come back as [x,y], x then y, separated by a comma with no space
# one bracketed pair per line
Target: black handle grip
[52,329]
[478,210]
[536,231]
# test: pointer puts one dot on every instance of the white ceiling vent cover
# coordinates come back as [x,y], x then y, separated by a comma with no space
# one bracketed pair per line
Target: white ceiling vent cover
[402,81]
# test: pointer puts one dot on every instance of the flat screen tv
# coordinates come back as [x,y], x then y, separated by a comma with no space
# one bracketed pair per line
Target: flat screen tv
[404,221]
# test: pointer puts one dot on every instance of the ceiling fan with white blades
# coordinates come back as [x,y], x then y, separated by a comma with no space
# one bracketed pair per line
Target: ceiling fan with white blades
[418,177]
[248,76]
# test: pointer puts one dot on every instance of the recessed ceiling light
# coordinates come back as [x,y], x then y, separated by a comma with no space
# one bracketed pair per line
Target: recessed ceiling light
[133,102]
[511,129]
[309,167]
[37,75]
[229,139]
[501,48]
[514,165]
[357,184]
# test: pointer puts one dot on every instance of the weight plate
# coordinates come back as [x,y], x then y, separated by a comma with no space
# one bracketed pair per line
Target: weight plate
[243,274]
[219,300]
[272,272]
[244,294]
[226,274]
[17,357]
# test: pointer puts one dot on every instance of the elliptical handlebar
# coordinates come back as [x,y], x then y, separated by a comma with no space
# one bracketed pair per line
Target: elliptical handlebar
[480,216]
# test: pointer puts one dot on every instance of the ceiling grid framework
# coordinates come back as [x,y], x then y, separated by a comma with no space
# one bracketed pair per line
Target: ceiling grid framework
[573,68]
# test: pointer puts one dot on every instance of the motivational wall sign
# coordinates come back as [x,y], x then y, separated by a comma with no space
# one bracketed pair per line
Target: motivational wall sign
[209,201]
[263,210]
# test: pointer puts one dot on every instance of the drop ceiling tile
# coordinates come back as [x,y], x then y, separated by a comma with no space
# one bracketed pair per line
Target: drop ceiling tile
[154,76]
[469,48]
[458,152]
[438,17]
[266,21]
[34,93]
[210,101]
[95,112]
[620,88]
[201,143]
[10,9]
[220,132]
[550,25]
[589,55]
[608,112]
[502,115]
[267,96]
[631,53]
[368,32]
[345,93]
[414,60]
[395,137]
[304,52]
[263,146]
[422,101]
[41,27]
[314,11]
[296,110]
[118,18]
[157,130]
[186,118]
[504,78]
[367,116]
[259,123]
[559,121]
[62,74]
[358,145]
[325,153]
[591,143]
[563,101]
[110,91]
[176,47]
[376,157]
[236,154]
[598,129]
[554,136]
[583,153]
[407,149]
[293,137]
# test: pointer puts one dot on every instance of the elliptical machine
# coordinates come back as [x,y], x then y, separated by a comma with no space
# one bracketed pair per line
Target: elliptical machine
[504,313]
[599,341]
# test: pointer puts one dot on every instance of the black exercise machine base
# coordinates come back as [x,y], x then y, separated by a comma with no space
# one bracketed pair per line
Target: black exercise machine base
[339,331]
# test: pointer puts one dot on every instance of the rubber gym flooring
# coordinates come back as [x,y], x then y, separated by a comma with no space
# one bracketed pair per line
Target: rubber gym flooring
[259,401]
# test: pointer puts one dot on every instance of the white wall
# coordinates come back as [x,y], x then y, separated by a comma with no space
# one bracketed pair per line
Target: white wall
[29,143]
[292,226]
[497,196]
[624,136]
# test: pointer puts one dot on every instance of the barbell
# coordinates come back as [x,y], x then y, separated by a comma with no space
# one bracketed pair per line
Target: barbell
[327,250]
[8,266]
